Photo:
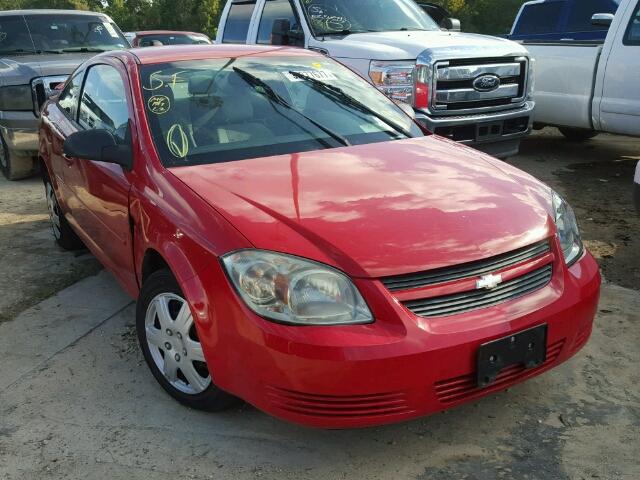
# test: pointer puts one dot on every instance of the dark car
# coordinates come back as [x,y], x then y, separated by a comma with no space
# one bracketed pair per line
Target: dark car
[38,50]
[158,38]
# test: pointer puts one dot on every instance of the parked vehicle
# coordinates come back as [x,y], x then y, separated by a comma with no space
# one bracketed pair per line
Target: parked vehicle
[563,20]
[293,238]
[585,88]
[158,38]
[470,88]
[129,36]
[440,15]
[38,49]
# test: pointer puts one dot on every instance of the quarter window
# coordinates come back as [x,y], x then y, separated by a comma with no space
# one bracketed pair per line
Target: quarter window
[236,27]
[278,13]
[632,36]
[68,99]
[103,103]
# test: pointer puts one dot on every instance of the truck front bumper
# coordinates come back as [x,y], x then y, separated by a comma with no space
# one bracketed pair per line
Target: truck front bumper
[20,132]
[496,133]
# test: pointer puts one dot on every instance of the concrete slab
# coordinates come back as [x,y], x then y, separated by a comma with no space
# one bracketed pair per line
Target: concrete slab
[93,411]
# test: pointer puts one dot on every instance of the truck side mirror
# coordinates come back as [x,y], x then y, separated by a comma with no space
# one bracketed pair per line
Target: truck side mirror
[99,145]
[281,34]
[602,19]
[452,24]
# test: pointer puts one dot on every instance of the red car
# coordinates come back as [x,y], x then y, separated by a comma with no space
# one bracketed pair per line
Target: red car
[158,38]
[295,240]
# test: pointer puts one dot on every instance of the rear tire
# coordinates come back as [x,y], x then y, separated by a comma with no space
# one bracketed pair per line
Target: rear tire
[14,167]
[171,347]
[577,134]
[60,227]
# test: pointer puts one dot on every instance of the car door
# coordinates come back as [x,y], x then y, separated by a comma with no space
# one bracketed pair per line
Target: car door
[100,191]
[620,104]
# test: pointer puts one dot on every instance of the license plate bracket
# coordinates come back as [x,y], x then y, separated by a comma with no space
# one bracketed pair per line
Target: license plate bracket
[528,347]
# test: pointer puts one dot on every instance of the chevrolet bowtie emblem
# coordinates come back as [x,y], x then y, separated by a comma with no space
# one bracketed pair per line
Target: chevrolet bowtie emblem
[489,281]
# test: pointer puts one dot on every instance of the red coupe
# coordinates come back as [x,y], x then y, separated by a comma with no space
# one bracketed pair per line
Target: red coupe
[295,240]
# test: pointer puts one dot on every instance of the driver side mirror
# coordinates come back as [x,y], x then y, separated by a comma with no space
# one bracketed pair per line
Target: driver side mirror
[602,19]
[452,24]
[281,34]
[99,145]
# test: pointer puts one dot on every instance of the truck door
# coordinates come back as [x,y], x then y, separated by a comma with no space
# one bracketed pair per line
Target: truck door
[279,24]
[620,104]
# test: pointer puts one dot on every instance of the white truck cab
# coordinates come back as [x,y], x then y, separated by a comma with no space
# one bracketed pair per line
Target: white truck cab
[471,88]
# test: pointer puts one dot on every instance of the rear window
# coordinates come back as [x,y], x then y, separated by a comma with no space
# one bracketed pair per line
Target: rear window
[236,27]
[172,39]
[539,18]
[582,11]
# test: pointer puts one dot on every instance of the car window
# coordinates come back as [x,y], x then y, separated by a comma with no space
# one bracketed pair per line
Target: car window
[582,11]
[172,39]
[103,104]
[274,13]
[68,99]
[236,27]
[227,109]
[632,36]
[539,18]
[14,36]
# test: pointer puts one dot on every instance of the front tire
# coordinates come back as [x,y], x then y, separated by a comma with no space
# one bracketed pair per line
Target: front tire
[62,231]
[577,134]
[171,347]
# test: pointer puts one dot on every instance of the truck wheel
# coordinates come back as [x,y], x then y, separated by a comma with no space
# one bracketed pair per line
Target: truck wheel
[171,347]
[14,167]
[62,231]
[577,134]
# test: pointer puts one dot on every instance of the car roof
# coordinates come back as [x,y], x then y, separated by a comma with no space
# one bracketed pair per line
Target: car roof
[49,11]
[167,32]
[174,53]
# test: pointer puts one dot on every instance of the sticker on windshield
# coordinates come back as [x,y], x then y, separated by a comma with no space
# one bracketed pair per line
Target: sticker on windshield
[3,35]
[177,141]
[321,75]
[111,30]
[159,104]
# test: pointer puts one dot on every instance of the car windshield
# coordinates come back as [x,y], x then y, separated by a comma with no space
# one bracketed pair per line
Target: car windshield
[211,111]
[157,40]
[341,17]
[58,34]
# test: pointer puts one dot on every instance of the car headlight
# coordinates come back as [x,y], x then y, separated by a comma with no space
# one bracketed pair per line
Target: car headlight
[394,79]
[16,98]
[291,290]
[568,231]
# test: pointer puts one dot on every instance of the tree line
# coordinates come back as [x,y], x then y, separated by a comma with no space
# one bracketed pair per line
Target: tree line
[482,16]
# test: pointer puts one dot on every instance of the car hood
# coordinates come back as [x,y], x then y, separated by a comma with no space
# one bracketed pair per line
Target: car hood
[379,209]
[409,45]
[20,70]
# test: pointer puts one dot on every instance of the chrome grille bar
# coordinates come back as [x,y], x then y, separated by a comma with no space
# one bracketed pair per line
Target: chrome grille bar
[469,72]
[471,95]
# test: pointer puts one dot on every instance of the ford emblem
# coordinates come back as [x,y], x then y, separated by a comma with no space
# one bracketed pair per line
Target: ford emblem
[486,83]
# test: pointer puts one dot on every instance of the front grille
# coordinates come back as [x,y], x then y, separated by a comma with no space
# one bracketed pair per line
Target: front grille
[454,90]
[42,89]
[475,299]
[465,386]
[465,270]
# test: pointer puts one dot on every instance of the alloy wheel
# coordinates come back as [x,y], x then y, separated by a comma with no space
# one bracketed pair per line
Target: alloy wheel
[174,344]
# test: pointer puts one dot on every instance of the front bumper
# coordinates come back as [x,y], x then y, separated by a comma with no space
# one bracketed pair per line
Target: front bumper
[496,133]
[398,368]
[20,131]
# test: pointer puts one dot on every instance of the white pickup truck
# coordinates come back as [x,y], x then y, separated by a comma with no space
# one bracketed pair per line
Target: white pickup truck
[585,88]
[470,88]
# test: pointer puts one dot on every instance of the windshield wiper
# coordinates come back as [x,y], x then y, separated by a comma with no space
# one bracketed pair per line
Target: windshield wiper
[265,89]
[18,51]
[333,91]
[82,50]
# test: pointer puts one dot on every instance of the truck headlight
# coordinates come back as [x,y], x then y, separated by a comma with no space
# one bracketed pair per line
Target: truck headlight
[291,290]
[400,81]
[568,231]
[16,97]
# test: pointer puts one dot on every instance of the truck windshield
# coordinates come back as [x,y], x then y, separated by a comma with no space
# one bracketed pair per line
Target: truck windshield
[220,110]
[58,34]
[342,17]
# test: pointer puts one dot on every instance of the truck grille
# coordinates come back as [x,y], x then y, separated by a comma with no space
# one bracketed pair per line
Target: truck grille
[455,91]
[476,299]
[42,89]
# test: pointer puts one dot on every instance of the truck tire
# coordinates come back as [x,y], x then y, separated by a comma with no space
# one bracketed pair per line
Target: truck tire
[577,134]
[14,167]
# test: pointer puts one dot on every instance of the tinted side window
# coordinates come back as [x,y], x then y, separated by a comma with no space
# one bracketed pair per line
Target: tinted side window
[103,104]
[632,37]
[68,99]
[237,25]
[539,18]
[582,11]
[277,10]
